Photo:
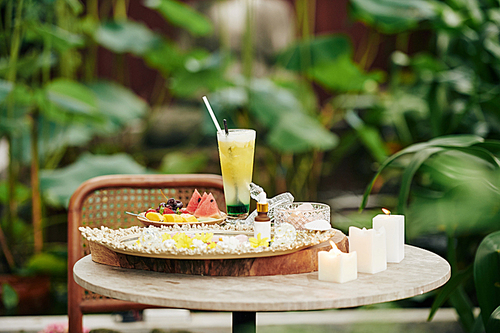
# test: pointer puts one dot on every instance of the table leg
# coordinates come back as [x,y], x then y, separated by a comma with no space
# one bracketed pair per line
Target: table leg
[244,322]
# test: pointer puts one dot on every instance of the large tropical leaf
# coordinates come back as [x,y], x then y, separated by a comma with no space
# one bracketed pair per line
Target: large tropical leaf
[369,136]
[60,39]
[393,16]
[270,103]
[345,76]
[458,210]
[119,104]
[449,288]
[21,193]
[201,71]
[58,185]
[182,15]
[298,133]
[126,37]
[47,264]
[75,5]
[494,322]
[458,141]
[165,57]
[71,96]
[316,52]
[178,162]
[328,61]
[10,298]
[464,307]
[487,275]
[28,64]
[5,89]
[291,129]
[418,159]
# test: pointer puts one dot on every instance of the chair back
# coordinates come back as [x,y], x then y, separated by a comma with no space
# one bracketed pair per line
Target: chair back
[103,201]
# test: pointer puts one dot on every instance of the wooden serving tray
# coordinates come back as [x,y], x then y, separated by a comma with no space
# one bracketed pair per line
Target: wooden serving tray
[302,261]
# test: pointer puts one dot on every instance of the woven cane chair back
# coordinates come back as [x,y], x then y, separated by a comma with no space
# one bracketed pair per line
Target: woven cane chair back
[103,201]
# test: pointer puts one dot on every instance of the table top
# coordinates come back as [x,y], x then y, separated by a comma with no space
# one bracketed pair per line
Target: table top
[421,271]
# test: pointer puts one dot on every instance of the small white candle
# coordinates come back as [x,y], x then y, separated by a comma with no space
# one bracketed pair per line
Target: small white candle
[395,234]
[337,266]
[370,246]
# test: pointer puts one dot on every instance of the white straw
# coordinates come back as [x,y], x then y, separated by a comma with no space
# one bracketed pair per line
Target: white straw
[211,113]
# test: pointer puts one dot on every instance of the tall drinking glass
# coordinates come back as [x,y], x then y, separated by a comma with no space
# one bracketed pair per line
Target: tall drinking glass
[236,151]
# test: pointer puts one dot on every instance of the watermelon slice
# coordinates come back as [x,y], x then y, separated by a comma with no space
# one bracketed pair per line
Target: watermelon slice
[203,198]
[208,208]
[193,202]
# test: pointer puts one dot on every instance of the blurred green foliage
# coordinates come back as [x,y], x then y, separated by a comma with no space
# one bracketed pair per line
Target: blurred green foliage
[58,185]
[435,109]
[445,95]
[487,281]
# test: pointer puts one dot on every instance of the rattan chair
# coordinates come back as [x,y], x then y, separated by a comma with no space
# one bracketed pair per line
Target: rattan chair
[102,201]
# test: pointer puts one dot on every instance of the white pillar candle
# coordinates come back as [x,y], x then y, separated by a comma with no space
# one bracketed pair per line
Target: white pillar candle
[337,266]
[395,234]
[370,246]
[262,228]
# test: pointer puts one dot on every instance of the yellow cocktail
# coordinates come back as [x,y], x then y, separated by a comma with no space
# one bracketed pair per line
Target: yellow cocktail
[236,151]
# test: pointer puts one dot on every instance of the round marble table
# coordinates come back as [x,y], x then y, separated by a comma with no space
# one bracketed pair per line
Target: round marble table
[421,271]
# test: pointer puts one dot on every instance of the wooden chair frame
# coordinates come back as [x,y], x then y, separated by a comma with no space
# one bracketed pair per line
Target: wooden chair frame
[76,304]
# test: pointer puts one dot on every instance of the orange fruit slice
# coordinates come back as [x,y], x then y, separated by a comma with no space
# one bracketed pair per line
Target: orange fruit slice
[153,216]
[189,218]
[175,218]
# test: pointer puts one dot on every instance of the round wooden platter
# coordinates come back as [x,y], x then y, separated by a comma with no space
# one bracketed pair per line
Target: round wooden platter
[301,261]
[147,222]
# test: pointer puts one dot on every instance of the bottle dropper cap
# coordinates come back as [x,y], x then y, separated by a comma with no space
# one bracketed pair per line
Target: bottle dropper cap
[262,205]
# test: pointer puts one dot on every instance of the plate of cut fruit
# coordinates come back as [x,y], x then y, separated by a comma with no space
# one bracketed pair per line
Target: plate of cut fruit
[201,209]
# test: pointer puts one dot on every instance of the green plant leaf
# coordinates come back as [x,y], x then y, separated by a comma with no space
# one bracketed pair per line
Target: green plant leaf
[178,162]
[298,133]
[415,163]
[345,76]
[458,209]
[118,103]
[462,304]
[450,287]
[370,136]
[328,60]
[200,72]
[75,5]
[5,89]
[291,129]
[487,275]
[28,64]
[393,16]
[10,299]
[60,39]
[493,325]
[445,142]
[482,153]
[455,166]
[269,104]
[478,325]
[126,36]
[182,15]
[316,52]
[165,57]
[71,96]
[22,193]
[58,185]
[47,264]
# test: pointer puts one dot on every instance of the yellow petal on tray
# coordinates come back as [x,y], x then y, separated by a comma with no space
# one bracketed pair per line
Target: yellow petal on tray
[173,218]
[153,216]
